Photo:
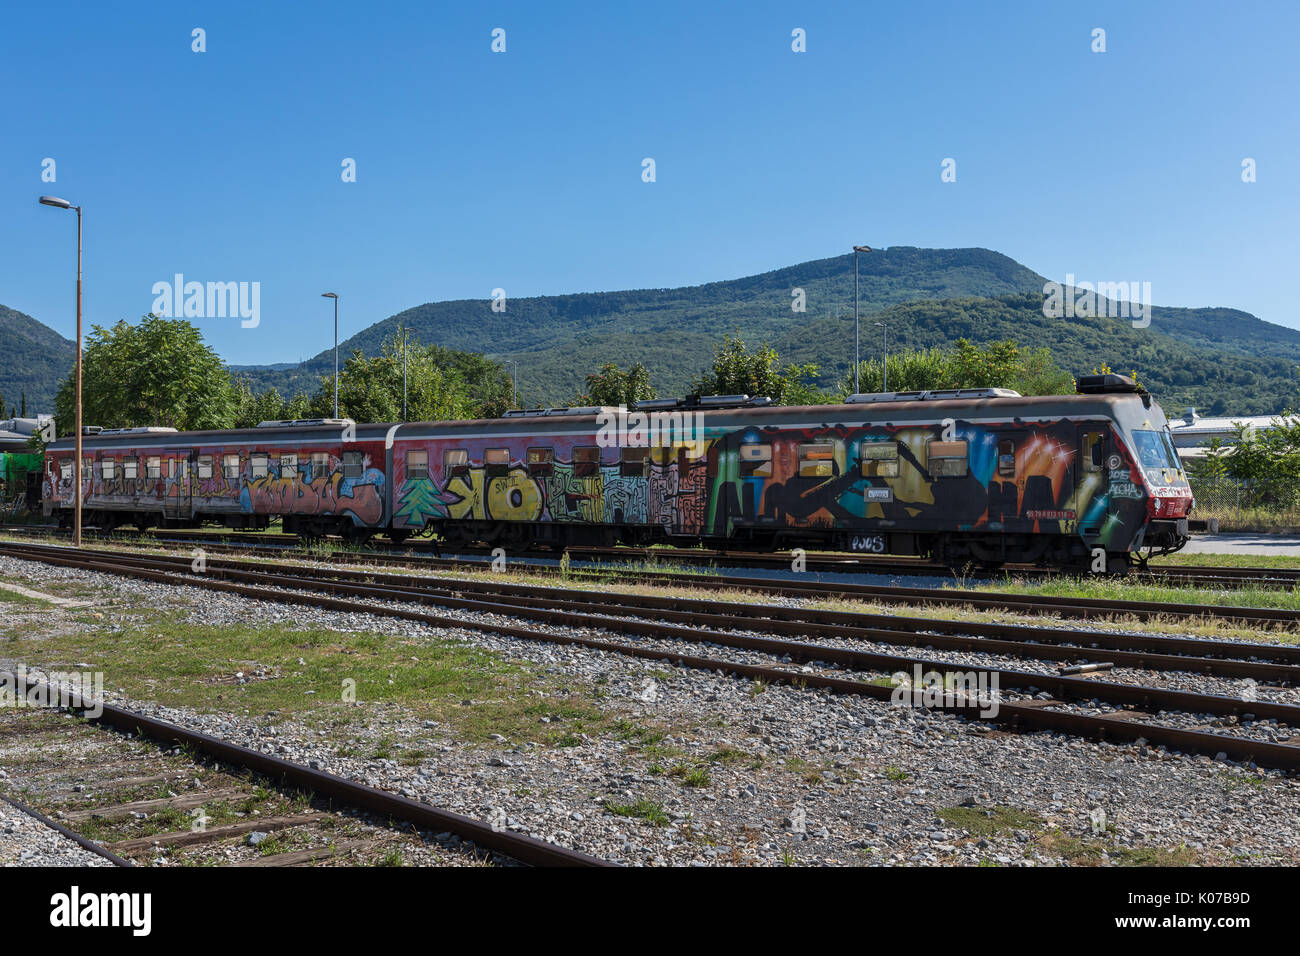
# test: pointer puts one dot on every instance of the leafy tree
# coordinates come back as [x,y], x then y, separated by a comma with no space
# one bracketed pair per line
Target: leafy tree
[487,386]
[613,386]
[1212,468]
[738,371]
[1268,460]
[997,365]
[370,388]
[158,372]
[254,407]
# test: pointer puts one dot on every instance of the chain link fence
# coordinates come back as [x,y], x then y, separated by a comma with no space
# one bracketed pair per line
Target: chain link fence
[1241,507]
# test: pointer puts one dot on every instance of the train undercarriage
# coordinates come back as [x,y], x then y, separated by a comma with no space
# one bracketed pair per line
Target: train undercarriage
[958,550]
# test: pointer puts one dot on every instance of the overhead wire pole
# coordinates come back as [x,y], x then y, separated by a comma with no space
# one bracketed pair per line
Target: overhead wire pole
[334,296]
[884,365]
[406,335]
[856,361]
[76,464]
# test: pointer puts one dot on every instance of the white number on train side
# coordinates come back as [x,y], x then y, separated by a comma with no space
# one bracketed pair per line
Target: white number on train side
[870,543]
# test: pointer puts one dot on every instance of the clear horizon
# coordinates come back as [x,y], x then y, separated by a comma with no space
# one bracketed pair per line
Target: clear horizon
[523,170]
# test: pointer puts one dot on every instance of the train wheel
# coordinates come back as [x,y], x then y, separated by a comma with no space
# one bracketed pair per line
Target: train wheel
[355,534]
[397,535]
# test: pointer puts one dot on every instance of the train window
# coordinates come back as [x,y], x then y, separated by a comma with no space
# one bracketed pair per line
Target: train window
[880,459]
[1006,458]
[633,462]
[129,467]
[258,462]
[1092,449]
[541,461]
[106,469]
[586,462]
[65,470]
[496,461]
[455,461]
[755,461]
[153,467]
[353,464]
[230,465]
[417,463]
[816,459]
[946,459]
[320,464]
[288,466]
[204,468]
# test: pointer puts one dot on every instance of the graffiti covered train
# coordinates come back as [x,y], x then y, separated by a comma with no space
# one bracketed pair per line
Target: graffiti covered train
[968,475]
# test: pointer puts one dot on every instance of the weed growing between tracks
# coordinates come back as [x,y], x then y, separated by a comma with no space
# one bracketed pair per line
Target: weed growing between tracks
[1114,589]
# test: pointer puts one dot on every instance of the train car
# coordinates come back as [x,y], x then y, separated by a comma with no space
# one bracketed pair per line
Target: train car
[323,476]
[981,476]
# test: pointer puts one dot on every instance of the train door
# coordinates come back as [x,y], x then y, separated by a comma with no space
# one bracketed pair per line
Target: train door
[177,504]
[1091,501]
[1005,482]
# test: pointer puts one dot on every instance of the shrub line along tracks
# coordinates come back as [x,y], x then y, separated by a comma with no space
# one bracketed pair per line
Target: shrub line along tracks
[1035,715]
[832,562]
[517,846]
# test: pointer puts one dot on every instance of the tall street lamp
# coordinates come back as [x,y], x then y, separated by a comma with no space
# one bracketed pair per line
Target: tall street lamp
[406,334]
[334,296]
[884,366]
[514,382]
[856,362]
[76,464]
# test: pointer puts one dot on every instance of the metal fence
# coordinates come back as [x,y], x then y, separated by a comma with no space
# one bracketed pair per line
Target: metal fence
[1241,507]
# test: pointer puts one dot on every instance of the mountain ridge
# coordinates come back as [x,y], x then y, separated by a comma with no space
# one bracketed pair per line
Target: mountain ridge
[927,297]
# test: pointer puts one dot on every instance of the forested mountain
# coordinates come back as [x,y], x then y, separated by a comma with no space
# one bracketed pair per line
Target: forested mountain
[1213,358]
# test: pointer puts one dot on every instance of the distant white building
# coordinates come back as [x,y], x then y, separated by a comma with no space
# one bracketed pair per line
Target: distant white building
[14,433]
[1192,432]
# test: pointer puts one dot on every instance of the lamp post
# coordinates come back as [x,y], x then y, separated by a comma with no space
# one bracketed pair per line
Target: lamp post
[406,334]
[856,362]
[514,382]
[884,365]
[334,296]
[76,464]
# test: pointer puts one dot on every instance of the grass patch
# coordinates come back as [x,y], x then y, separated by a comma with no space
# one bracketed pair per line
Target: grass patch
[691,776]
[992,821]
[314,673]
[641,809]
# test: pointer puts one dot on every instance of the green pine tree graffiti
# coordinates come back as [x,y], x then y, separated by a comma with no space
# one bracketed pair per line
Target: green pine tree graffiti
[420,501]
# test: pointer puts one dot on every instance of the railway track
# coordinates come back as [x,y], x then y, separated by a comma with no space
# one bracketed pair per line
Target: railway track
[1078,705]
[1085,608]
[1205,576]
[302,815]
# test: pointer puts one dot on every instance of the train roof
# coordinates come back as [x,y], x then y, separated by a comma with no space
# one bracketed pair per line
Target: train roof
[893,408]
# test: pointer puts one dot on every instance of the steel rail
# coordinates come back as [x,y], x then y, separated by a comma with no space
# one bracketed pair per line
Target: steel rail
[1280,755]
[1208,576]
[525,849]
[76,838]
[1148,652]
[1029,604]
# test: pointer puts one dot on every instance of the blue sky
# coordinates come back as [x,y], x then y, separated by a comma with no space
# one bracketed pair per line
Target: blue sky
[522,170]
